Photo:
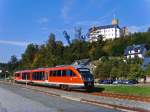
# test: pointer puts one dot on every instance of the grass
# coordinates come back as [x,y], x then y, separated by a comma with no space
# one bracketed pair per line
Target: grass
[124,89]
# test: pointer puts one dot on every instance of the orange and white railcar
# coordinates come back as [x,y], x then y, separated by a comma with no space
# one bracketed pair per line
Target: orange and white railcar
[62,76]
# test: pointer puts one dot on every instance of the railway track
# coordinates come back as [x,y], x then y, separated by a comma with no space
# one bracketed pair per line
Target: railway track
[121,96]
[105,94]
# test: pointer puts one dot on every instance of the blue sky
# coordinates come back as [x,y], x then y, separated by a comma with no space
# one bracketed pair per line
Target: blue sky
[31,21]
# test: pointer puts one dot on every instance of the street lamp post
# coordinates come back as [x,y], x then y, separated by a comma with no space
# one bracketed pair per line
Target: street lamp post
[0,74]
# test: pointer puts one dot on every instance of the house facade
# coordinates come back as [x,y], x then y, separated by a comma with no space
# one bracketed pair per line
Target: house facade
[134,51]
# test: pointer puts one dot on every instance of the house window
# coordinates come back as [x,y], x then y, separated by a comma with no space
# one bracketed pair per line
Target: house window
[136,56]
[136,50]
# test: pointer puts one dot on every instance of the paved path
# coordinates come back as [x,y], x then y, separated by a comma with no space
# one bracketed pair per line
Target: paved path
[130,104]
[16,99]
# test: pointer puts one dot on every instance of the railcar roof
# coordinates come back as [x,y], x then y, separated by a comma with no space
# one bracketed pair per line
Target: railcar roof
[62,66]
[22,71]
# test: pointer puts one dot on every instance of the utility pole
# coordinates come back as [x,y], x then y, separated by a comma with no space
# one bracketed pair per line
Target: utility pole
[5,75]
[26,80]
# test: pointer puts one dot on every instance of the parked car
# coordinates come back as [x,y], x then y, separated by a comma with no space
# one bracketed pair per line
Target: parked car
[117,82]
[131,82]
[125,82]
[106,81]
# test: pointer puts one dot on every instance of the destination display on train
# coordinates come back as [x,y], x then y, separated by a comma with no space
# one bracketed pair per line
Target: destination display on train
[83,69]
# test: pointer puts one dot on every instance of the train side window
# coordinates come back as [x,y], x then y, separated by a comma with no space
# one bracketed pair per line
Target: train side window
[37,75]
[70,73]
[63,72]
[54,73]
[40,75]
[73,74]
[58,72]
[34,76]
[26,76]
[50,73]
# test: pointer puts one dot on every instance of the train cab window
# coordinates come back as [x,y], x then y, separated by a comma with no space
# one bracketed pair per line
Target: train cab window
[69,73]
[85,72]
[26,76]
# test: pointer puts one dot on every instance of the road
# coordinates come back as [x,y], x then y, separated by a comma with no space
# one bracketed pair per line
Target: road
[16,99]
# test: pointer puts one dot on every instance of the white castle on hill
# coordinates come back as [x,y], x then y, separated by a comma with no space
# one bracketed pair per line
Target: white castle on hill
[108,31]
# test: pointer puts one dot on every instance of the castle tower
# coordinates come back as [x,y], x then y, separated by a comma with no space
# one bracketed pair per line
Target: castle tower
[115,21]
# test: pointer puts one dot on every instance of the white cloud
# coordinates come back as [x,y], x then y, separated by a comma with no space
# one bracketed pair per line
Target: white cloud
[67,6]
[42,20]
[16,43]
[135,28]
[89,23]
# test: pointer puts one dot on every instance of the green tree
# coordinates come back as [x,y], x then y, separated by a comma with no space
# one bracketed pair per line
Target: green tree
[135,71]
[40,59]
[135,61]
[148,29]
[147,71]
[67,37]
[103,70]
[13,64]
[29,55]
[147,53]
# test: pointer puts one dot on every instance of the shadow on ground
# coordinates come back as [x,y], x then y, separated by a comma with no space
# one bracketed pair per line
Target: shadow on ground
[89,90]
[96,89]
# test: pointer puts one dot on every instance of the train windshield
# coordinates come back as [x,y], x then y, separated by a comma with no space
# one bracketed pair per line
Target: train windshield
[85,73]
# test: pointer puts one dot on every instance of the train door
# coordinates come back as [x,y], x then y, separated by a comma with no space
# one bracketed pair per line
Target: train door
[73,77]
[70,78]
[57,76]
[46,76]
